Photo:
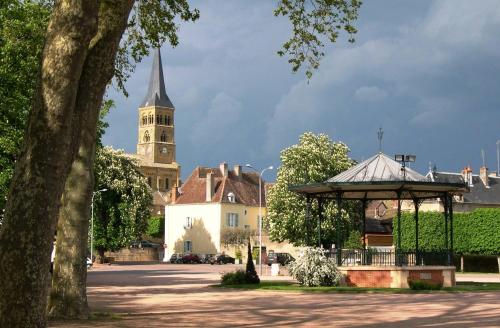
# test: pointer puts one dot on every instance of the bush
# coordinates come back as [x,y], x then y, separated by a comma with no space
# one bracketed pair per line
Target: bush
[234,278]
[156,227]
[424,285]
[238,254]
[354,241]
[313,268]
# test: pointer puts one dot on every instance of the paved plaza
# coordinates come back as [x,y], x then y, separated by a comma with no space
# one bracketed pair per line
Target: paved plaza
[169,295]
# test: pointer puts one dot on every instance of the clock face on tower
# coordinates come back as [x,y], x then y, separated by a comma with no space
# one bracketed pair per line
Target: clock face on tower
[164,150]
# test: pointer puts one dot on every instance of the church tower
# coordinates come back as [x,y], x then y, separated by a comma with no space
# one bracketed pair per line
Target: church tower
[156,141]
[156,119]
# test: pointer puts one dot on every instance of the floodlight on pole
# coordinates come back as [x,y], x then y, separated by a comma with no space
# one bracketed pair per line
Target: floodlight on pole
[403,159]
[92,223]
[260,210]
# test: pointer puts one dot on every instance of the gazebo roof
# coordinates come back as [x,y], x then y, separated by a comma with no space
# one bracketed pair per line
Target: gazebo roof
[380,177]
[378,168]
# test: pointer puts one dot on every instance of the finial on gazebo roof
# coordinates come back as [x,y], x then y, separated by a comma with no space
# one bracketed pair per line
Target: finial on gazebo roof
[380,135]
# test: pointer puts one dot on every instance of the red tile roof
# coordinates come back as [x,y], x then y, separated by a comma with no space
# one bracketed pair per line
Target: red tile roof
[245,187]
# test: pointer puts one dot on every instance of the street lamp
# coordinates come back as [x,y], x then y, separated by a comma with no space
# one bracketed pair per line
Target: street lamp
[260,210]
[403,159]
[92,223]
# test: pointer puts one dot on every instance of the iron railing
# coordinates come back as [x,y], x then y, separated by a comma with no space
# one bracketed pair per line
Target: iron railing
[354,257]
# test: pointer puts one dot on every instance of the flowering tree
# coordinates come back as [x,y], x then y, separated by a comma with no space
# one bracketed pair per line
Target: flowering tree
[315,159]
[120,212]
[313,268]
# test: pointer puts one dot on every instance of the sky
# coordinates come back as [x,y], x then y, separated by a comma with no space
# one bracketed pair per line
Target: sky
[427,72]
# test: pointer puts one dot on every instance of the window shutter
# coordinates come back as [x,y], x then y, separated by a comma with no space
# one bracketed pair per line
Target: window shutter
[236,220]
[227,220]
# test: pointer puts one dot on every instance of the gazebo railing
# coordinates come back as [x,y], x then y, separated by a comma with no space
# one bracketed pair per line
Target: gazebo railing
[355,257]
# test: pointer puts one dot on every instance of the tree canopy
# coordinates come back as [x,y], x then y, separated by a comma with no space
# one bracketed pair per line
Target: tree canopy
[22,33]
[121,212]
[315,158]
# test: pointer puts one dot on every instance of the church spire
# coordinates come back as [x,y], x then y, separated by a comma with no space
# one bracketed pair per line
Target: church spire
[157,96]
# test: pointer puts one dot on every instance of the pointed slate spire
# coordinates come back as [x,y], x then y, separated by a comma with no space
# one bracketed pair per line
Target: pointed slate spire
[157,96]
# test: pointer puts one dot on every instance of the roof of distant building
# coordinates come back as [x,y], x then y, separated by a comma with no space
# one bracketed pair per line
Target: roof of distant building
[479,193]
[245,187]
[156,95]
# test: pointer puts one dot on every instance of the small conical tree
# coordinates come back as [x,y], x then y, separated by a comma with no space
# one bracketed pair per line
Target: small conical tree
[250,273]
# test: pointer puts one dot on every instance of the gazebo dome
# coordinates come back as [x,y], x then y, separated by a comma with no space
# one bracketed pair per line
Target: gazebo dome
[378,168]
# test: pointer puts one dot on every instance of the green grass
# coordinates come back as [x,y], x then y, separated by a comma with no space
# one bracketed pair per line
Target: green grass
[293,287]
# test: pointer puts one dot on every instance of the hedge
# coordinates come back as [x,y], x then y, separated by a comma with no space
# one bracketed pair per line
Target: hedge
[477,232]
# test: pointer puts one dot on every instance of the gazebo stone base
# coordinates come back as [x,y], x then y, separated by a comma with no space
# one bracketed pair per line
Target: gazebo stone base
[396,276]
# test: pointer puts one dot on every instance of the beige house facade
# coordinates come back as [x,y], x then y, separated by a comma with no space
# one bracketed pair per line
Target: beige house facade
[210,201]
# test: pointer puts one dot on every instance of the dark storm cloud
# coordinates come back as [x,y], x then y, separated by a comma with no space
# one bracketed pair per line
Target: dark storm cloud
[426,71]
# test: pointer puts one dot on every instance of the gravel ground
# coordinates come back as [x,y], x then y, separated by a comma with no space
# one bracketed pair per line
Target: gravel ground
[170,295]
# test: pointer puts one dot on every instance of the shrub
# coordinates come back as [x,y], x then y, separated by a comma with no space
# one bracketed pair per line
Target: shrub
[238,254]
[156,227]
[354,241]
[424,285]
[234,278]
[313,268]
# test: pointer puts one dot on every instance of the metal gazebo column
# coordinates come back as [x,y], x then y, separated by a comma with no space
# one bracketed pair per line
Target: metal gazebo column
[308,220]
[446,213]
[398,250]
[450,202]
[339,217]
[363,215]
[416,203]
[320,218]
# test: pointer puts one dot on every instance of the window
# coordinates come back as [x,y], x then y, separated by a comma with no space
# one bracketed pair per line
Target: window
[150,118]
[232,219]
[189,223]
[150,181]
[161,119]
[167,185]
[167,120]
[231,198]
[144,120]
[163,137]
[146,137]
[157,119]
[188,246]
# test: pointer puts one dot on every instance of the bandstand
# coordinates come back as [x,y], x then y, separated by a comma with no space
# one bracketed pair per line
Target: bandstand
[382,178]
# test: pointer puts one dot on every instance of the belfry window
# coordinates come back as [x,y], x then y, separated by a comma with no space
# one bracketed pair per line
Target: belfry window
[163,137]
[146,136]
[161,119]
[144,120]
[167,120]
[150,119]
[157,119]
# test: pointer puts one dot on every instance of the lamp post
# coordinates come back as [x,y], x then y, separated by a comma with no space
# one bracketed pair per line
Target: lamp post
[260,210]
[92,223]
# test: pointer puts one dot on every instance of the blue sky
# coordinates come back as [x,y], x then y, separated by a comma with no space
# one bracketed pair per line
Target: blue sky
[428,72]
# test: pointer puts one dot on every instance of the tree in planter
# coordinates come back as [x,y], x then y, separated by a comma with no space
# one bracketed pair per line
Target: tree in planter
[250,273]
[315,158]
[121,212]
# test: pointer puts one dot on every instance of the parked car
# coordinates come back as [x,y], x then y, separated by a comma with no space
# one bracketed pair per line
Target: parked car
[281,258]
[176,258]
[205,258]
[190,258]
[221,259]
[143,244]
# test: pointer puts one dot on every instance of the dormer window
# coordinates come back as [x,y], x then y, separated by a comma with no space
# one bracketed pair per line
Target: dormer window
[231,198]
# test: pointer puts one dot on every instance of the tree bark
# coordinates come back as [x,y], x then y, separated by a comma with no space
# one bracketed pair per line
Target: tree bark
[68,298]
[44,163]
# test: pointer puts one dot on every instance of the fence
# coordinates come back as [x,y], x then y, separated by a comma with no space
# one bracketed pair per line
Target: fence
[354,257]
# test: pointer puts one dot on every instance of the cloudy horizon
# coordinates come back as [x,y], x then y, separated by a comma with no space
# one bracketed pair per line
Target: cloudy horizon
[426,71]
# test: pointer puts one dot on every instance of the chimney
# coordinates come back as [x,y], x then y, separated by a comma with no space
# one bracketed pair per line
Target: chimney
[175,194]
[210,188]
[467,175]
[223,169]
[237,170]
[483,174]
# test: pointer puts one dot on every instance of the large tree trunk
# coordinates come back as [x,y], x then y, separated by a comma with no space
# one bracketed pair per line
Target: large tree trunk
[68,298]
[43,165]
